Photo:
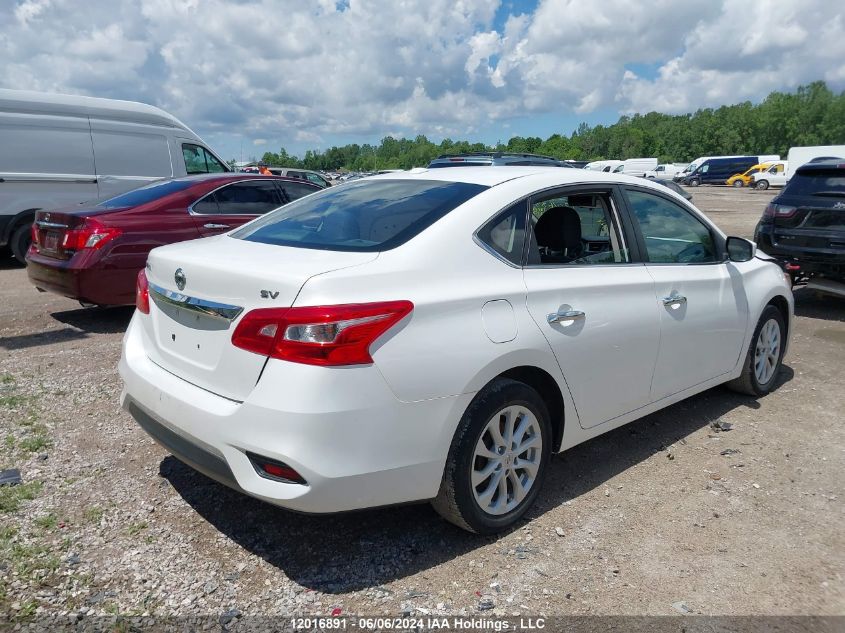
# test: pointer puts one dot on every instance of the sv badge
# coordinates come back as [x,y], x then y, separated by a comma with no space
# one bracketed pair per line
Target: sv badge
[269,294]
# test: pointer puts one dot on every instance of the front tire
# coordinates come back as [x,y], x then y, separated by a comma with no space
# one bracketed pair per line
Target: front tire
[498,458]
[762,185]
[764,357]
[694,182]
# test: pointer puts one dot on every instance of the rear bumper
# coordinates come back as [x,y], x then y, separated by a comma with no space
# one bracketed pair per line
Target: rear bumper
[357,449]
[81,279]
[809,261]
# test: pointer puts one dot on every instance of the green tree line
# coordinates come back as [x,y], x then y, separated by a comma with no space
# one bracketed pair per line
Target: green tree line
[812,115]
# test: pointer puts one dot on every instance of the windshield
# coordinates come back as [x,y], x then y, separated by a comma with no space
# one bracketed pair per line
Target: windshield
[365,215]
[145,194]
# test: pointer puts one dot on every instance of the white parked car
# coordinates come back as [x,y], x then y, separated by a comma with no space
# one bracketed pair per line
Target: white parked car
[438,334]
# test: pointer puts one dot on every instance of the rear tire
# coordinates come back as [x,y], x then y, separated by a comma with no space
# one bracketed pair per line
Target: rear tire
[20,241]
[495,466]
[762,363]
[762,185]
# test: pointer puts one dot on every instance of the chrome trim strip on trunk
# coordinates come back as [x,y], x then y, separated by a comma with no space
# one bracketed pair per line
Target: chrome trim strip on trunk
[212,309]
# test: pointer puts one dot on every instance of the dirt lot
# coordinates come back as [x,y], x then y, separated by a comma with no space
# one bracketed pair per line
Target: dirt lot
[656,513]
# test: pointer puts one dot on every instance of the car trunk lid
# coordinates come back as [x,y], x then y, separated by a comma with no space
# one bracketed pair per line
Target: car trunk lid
[199,291]
[61,234]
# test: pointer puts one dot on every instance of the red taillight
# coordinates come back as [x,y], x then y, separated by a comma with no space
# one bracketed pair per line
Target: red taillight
[778,210]
[92,234]
[321,335]
[142,293]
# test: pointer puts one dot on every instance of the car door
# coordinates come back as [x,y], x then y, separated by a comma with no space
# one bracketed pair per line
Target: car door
[235,204]
[592,301]
[699,294]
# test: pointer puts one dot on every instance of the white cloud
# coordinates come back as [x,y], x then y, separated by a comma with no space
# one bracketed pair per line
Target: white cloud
[296,73]
[774,46]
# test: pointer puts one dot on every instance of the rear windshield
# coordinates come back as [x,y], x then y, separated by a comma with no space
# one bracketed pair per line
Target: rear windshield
[818,182]
[145,194]
[365,215]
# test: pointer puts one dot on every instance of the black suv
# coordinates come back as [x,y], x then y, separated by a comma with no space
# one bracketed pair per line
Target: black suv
[485,159]
[804,227]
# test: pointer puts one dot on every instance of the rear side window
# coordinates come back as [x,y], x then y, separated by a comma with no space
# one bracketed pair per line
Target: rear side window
[505,234]
[145,194]
[121,154]
[829,182]
[46,150]
[366,216]
[199,160]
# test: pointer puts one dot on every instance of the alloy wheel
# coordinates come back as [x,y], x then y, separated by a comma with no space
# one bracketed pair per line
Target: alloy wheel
[767,351]
[506,460]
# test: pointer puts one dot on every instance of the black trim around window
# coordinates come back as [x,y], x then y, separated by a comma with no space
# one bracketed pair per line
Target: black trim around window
[718,240]
[635,251]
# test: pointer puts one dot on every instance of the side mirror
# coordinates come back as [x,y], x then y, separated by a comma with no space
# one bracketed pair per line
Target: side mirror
[740,249]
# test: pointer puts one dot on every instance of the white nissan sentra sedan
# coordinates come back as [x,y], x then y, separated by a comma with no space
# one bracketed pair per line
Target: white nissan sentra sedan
[438,334]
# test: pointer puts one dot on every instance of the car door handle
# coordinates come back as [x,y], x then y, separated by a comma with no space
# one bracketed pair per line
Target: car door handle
[674,299]
[211,225]
[566,315]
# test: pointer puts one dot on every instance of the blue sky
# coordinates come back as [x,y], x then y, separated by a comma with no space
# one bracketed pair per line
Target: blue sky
[263,74]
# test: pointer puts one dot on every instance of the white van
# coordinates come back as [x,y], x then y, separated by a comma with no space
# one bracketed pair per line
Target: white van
[60,150]
[636,166]
[603,165]
[666,171]
[802,155]
[773,176]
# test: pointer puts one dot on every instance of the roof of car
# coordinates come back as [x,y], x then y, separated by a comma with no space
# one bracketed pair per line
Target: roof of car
[492,177]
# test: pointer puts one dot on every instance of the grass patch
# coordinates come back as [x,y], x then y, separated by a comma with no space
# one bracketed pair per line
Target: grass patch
[46,522]
[94,514]
[9,441]
[137,528]
[38,441]
[12,401]
[7,379]
[11,497]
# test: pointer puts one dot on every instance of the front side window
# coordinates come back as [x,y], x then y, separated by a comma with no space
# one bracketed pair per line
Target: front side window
[575,229]
[199,160]
[505,234]
[365,215]
[294,190]
[672,234]
[316,179]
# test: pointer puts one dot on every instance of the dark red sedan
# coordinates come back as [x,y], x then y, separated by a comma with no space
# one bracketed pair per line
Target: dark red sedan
[93,254]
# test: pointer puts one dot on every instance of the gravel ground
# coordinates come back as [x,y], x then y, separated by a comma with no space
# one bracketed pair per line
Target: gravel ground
[666,510]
